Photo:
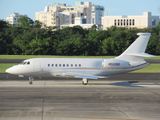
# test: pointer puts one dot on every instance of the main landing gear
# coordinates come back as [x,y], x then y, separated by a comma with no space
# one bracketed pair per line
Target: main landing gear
[84,81]
[30,80]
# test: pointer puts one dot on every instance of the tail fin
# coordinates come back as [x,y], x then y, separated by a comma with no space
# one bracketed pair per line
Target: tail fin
[136,51]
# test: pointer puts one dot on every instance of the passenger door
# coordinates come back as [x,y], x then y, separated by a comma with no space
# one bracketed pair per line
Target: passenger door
[37,66]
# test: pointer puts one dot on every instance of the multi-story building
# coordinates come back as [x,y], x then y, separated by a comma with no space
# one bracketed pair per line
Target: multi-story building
[97,14]
[144,21]
[12,19]
[59,14]
[81,21]
[52,18]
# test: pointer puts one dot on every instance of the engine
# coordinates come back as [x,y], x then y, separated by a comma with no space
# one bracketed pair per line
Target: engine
[114,63]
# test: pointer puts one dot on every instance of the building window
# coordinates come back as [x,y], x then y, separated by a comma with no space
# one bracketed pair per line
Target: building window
[121,22]
[118,23]
[130,22]
[133,22]
[124,22]
[154,22]
[115,22]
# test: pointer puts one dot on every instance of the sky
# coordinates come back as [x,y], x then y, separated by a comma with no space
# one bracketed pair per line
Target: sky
[114,7]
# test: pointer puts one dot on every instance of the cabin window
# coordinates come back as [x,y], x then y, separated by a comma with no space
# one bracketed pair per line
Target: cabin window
[55,65]
[24,63]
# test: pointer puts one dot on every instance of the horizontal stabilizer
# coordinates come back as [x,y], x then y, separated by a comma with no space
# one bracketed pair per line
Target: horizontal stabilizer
[141,54]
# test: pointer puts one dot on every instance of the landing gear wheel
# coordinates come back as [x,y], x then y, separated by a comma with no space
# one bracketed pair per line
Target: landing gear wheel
[30,82]
[133,81]
[84,81]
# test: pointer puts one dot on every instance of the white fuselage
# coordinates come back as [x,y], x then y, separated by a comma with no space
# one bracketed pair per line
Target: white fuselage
[72,67]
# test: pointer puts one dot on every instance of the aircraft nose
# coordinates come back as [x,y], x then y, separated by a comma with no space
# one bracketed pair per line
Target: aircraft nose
[9,70]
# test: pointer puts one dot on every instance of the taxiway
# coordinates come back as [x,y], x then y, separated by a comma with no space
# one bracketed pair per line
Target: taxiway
[69,100]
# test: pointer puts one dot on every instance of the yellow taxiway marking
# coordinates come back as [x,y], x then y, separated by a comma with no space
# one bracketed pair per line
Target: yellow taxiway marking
[66,117]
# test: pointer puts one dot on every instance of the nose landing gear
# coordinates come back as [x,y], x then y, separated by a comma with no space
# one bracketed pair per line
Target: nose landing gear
[30,80]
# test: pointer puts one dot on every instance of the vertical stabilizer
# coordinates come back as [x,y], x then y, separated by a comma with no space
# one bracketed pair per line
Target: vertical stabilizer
[136,51]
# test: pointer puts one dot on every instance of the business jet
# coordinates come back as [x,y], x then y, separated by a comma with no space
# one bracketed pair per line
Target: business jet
[86,68]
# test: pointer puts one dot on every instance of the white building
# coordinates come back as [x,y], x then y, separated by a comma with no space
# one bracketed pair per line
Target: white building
[97,14]
[52,18]
[12,19]
[80,21]
[59,14]
[147,20]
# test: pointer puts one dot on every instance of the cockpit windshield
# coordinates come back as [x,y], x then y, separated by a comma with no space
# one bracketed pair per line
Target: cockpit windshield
[25,63]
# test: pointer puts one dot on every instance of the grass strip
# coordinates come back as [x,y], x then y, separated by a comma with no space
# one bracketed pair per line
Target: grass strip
[48,56]
[152,68]
[3,66]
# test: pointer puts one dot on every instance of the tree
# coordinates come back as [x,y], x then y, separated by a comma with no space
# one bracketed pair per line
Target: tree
[94,27]
[154,43]
[37,24]
[30,37]
[5,38]
[26,22]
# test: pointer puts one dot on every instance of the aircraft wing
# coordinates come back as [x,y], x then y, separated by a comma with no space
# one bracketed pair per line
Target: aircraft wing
[84,76]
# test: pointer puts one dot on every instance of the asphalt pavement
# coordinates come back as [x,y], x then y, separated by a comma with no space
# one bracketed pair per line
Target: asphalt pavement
[155,61]
[69,100]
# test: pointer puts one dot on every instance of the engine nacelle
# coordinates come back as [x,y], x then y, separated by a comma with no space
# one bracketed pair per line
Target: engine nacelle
[114,63]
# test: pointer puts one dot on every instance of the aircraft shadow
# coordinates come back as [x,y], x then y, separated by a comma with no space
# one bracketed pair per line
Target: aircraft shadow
[124,84]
